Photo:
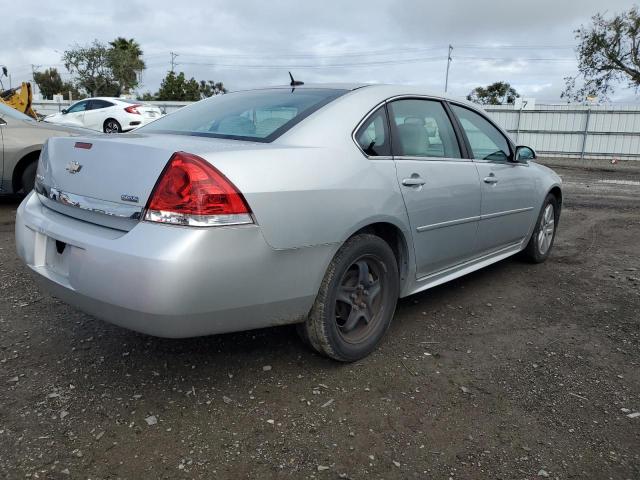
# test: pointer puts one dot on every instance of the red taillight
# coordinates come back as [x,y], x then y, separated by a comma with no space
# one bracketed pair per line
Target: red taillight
[190,191]
[133,109]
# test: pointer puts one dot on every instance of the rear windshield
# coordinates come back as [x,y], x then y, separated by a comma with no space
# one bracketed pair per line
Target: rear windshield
[257,115]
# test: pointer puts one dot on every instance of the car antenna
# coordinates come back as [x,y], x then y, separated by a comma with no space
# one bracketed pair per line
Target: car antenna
[295,83]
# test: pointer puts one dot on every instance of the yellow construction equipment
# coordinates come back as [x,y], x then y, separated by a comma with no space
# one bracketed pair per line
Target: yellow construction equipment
[19,98]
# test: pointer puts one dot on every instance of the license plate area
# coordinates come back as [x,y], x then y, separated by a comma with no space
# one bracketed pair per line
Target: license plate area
[57,256]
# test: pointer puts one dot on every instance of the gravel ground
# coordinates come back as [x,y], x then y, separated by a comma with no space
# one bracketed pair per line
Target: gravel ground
[515,372]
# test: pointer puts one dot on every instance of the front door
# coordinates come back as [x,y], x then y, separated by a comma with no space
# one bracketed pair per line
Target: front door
[508,188]
[75,114]
[441,190]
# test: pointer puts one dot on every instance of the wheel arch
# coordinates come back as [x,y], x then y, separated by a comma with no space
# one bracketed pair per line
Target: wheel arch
[104,124]
[21,165]
[556,191]
[394,236]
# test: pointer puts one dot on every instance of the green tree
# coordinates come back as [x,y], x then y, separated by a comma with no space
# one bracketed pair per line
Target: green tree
[50,83]
[209,88]
[126,62]
[107,70]
[92,67]
[178,88]
[498,93]
[608,55]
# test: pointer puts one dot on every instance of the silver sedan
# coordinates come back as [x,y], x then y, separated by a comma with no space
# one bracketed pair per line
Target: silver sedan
[21,139]
[315,205]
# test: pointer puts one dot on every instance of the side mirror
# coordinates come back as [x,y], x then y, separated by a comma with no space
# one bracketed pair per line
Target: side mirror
[524,154]
[64,110]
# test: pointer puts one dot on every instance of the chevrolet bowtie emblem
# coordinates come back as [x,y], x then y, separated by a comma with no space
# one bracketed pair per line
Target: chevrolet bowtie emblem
[73,167]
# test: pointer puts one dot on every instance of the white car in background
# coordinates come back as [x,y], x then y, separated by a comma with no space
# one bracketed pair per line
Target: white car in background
[106,114]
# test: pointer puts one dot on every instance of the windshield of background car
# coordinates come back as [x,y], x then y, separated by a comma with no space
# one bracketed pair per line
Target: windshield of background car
[257,115]
[8,112]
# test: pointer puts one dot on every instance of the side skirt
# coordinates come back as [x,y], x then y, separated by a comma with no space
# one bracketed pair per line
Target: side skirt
[451,273]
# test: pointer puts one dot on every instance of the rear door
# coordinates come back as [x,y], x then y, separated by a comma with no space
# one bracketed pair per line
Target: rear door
[96,114]
[508,188]
[440,188]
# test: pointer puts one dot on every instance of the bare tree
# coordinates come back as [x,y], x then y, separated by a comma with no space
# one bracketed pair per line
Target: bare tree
[608,55]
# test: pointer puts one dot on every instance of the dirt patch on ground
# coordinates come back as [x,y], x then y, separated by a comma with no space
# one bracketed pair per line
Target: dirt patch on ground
[515,372]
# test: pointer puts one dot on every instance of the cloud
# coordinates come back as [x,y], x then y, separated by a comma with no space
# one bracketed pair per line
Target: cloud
[255,43]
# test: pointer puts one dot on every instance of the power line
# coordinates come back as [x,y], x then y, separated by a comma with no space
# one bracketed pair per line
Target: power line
[287,55]
[335,65]
[517,59]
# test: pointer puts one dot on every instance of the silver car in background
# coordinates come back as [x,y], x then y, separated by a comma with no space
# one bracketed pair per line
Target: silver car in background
[21,139]
[316,205]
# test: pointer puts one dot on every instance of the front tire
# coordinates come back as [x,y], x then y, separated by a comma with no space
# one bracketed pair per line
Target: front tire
[112,126]
[541,241]
[356,301]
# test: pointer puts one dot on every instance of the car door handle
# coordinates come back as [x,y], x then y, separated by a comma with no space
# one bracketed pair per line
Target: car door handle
[413,182]
[490,179]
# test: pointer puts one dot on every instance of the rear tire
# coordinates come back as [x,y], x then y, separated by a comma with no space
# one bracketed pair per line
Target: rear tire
[356,301]
[28,177]
[541,241]
[111,126]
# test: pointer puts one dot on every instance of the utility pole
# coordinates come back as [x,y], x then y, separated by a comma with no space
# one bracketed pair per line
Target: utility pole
[173,60]
[449,59]
[34,69]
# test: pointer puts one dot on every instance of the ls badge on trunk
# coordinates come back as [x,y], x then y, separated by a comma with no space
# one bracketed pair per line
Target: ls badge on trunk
[73,167]
[129,198]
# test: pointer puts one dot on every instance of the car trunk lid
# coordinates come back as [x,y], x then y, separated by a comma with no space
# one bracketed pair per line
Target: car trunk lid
[108,179]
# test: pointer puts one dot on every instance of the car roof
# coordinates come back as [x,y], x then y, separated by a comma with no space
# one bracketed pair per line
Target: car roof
[388,90]
[108,99]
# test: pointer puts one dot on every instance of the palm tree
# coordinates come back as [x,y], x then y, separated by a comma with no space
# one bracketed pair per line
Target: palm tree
[126,62]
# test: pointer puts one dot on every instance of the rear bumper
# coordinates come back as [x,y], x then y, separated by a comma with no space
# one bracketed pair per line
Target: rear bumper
[169,281]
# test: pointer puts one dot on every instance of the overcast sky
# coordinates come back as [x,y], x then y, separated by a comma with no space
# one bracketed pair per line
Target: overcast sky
[254,43]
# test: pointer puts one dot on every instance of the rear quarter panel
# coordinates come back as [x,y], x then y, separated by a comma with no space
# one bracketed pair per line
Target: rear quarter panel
[308,196]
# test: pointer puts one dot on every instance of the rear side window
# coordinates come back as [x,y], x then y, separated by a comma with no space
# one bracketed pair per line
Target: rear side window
[486,141]
[96,104]
[373,135]
[422,129]
[257,115]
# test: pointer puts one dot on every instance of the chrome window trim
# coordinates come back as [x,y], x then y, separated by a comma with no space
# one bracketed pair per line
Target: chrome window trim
[362,122]
[483,114]
[451,121]
[384,102]
[433,159]
[501,162]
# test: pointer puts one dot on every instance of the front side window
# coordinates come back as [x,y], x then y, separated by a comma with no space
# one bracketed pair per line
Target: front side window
[78,107]
[373,135]
[258,115]
[486,141]
[423,129]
